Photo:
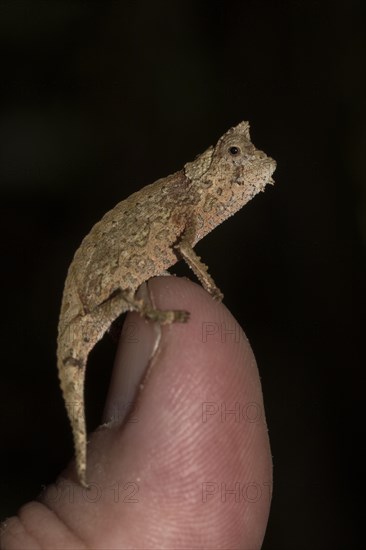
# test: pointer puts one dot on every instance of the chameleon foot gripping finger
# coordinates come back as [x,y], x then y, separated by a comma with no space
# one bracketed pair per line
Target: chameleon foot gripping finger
[141,237]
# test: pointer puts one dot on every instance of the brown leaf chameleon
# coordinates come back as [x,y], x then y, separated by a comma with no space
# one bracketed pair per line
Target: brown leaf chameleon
[141,237]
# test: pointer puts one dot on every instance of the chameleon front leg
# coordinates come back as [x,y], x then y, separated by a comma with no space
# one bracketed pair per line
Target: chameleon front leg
[185,249]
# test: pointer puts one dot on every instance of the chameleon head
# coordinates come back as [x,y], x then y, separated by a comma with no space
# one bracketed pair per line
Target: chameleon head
[229,175]
[245,164]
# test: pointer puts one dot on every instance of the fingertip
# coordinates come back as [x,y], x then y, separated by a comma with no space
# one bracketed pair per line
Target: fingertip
[196,450]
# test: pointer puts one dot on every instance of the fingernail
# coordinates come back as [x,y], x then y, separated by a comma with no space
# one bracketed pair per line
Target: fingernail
[135,349]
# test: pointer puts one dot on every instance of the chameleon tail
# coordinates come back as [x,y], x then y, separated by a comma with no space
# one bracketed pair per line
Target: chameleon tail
[72,374]
[75,340]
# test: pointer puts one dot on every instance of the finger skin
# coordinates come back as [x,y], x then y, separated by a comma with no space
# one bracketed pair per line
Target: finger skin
[191,469]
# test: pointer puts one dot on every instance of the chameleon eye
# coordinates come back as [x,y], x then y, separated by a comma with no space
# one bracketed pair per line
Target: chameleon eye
[234,151]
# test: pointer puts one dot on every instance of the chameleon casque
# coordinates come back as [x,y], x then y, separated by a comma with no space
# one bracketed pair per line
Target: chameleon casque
[141,237]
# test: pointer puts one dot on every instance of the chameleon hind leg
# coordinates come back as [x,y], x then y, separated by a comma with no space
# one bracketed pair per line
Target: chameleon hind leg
[74,346]
[147,310]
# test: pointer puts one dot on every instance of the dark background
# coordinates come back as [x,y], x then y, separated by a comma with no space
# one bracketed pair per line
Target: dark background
[101,98]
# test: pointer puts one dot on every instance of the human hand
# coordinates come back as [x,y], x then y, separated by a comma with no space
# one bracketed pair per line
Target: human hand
[191,467]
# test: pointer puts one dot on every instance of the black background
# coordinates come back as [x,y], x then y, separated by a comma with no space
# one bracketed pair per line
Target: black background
[101,98]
